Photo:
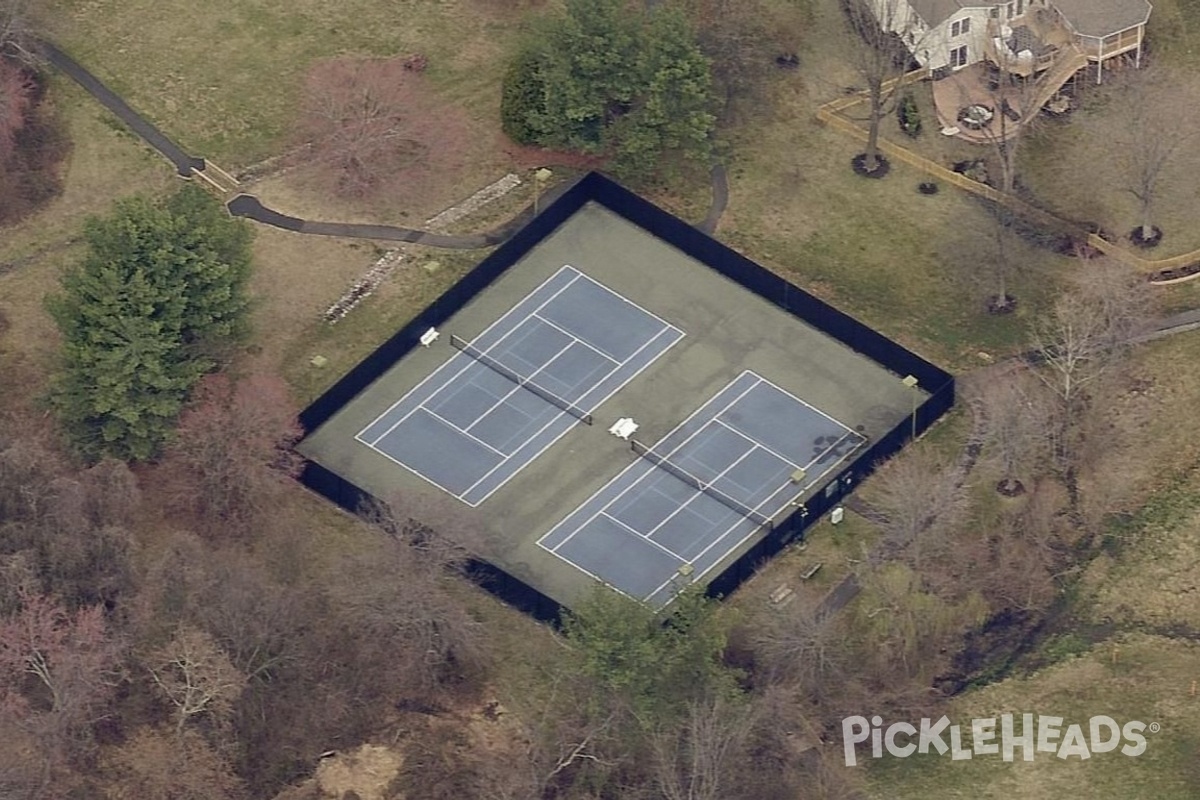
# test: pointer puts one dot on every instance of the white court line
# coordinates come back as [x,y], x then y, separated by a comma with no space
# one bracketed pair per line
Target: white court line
[802,489]
[521,386]
[420,475]
[648,462]
[739,542]
[446,384]
[583,342]
[699,493]
[534,314]
[769,499]
[625,299]
[647,465]
[834,420]
[647,539]
[830,449]
[593,576]
[757,443]
[601,402]
[468,434]
[468,359]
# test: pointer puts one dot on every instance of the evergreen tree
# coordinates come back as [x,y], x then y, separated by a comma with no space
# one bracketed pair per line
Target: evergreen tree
[603,78]
[160,292]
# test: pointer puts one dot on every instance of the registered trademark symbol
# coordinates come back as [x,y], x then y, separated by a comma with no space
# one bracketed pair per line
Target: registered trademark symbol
[1155,727]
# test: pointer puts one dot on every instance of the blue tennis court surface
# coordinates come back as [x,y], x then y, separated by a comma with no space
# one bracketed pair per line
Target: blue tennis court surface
[729,469]
[479,419]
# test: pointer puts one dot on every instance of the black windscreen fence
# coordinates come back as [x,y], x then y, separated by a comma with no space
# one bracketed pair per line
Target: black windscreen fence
[594,187]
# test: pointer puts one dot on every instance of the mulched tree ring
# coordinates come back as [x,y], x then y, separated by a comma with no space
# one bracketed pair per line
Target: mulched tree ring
[1155,237]
[859,164]
[1000,305]
[787,61]
[1010,487]
[927,187]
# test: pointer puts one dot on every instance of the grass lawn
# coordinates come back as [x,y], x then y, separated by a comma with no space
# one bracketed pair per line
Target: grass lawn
[226,85]
[1143,593]
[1148,681]
[915,266]
[103,165]
[224,80]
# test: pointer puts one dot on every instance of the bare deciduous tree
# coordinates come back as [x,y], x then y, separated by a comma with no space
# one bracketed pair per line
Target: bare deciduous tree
[552,744]
[232,446]
[257,621]
[922,502]
[73,659]
[1159,120]
[698,760]
[398,593]
[159,765]
[739,37]
[1090,328]
[19,22]
[797,644]
[16,91]
[910,630]
[886,32]
[195,676]
[371,121]
[1015,102]
[1017,423]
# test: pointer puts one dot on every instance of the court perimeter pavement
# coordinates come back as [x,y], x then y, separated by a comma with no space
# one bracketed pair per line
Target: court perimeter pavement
[609,304]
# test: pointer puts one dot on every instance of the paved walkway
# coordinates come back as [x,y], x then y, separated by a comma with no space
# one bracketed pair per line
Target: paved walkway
[183,162]
[250,207]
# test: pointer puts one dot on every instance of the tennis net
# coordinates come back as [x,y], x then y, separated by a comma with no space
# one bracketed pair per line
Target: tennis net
[525,383]
[705,488]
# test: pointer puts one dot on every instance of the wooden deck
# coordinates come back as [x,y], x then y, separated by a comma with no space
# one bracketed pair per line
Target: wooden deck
[968,86]
[973,85]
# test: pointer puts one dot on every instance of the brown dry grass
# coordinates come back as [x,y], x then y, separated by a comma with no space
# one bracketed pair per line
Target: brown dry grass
[104,164]
[226,80]
[911,265]
[1154,580]
[1080,167]
[1148,681]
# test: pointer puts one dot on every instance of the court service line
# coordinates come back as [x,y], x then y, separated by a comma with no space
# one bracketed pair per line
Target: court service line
[592,575]
[468,434]
[620,385]
[647,539]
[740,520]
[583,342]
[738,543]
[625,299]
[834,420]
[637,372]
[700,493]
[755,442]
[517,387]
[533,293]
[679,506]
[453,380]
[645,464]
[420,475]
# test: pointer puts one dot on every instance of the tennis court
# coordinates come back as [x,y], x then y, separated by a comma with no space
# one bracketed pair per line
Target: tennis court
[504,397]
[738,463]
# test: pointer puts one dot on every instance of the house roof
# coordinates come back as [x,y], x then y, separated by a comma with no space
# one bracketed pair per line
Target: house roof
[1100,17]
[935,12]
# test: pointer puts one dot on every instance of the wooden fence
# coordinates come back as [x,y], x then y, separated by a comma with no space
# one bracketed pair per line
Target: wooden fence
[1161,272]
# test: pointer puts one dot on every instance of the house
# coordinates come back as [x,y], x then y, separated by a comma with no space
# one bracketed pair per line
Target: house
[1022,36]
